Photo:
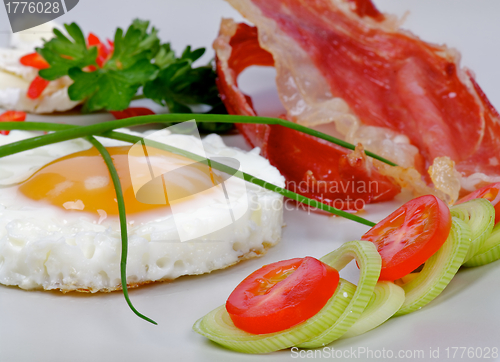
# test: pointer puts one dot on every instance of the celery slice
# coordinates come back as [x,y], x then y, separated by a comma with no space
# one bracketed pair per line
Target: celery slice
[479,214]
[370,263]
[218,326]
[386,300]
[489,252]
[438,270]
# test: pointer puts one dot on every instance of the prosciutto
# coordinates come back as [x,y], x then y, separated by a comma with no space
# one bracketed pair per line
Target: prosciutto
[312,167]
[345,65]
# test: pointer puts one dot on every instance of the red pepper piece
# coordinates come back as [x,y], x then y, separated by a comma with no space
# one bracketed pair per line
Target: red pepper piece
[37,87]
[93,40]
[132,112]
[34,60]
[103,51]
[11,116]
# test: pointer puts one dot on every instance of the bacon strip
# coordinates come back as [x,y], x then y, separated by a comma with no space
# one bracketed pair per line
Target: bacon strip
[237,48]
[312,167]
[389,79]
[345,63]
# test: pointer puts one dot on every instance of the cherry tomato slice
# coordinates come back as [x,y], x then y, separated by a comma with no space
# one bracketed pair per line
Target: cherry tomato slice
[11,116]
[489,192]
[281,295]
[132,112]
[34,60]
[410,235]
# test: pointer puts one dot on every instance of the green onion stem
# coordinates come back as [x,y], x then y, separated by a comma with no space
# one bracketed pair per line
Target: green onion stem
[40,126]
[123,222]
[229,170]
[66,132]
[100,128]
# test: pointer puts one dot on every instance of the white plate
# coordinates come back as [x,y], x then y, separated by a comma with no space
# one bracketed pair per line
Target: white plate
[49,326]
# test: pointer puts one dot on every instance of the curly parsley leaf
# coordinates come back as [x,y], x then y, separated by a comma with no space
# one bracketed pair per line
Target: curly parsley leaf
[138,60]
[113,86]
[165,56]
[137,44]
[109,89]
[179,85]
[62,53]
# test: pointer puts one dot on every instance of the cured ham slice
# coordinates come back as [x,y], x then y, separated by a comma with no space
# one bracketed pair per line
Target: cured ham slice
[344,64]
[312,167]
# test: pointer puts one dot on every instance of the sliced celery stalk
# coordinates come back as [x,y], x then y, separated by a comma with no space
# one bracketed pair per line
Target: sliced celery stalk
[438,270]
[370,263]
[386,300]
[218,326]
[479,214]
[489,252]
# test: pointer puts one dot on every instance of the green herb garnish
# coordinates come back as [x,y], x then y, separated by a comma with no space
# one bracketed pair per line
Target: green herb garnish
[62,54]
[178,83]
[64,132]
[138,61]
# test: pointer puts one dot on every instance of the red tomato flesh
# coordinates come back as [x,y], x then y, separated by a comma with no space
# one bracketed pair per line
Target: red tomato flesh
[11,116]
[410,235]
[489,192]
[281,295]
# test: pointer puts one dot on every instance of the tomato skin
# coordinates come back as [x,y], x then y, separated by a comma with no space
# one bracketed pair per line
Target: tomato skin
[11,116]
[489,192]
[281,295]
[410,235]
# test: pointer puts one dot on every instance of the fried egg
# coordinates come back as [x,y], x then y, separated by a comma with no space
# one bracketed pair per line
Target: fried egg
[59,227]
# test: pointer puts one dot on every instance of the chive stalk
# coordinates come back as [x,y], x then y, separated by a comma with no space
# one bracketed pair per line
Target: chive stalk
[82,131]
[123,222]
[64,132]
[60,128]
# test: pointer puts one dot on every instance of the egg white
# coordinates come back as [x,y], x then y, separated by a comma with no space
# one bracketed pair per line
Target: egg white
[42,246]
[15,78]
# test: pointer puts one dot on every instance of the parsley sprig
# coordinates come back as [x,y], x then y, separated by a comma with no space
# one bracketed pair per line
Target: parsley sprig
[63,54]
[178,83]
[139,61]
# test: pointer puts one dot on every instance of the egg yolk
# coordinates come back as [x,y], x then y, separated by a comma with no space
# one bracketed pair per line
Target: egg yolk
[81,181]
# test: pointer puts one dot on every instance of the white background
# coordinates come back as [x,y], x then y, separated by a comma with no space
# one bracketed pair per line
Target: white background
[49,326]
